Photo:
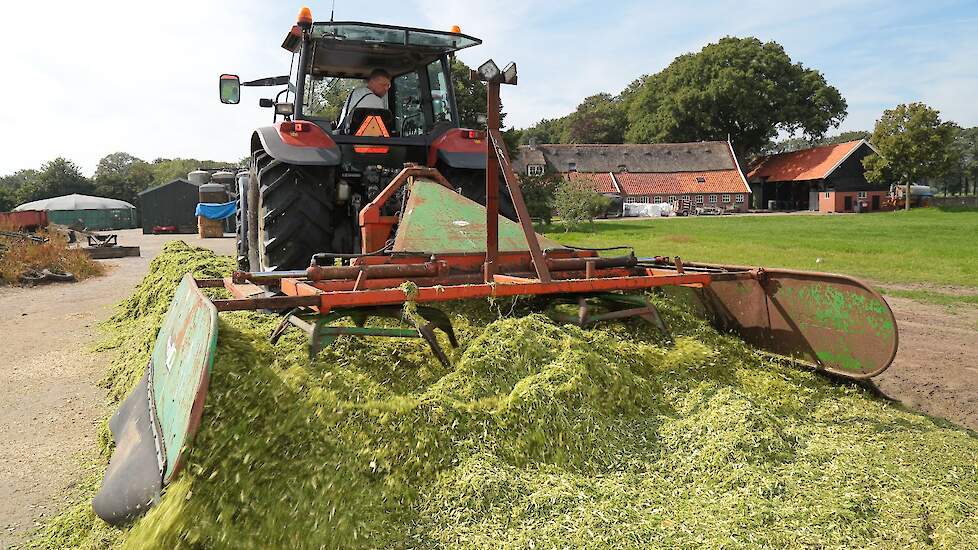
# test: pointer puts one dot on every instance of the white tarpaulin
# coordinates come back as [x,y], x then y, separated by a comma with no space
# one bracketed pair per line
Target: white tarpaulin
[75,202]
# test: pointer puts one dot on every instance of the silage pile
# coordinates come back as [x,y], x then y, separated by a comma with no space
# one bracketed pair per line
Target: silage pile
[540,436]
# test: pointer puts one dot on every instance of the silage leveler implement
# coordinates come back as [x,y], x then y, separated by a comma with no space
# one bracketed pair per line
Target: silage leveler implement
[437,245]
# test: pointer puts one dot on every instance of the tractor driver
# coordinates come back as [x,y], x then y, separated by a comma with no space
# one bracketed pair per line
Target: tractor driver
[372,95]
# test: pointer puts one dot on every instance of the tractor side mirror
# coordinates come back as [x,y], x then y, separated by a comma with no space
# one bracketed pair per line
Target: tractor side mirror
[230,86]
[265,102]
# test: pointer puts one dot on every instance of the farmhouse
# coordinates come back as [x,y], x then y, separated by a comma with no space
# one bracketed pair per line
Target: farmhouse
[830,178]
[706,173]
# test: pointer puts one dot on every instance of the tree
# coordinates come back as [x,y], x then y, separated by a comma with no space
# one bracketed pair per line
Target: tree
[738,87]
[122,176]
[548,130]
[539,193]
[471,97]
[10,188]
[913,144]
[115,163]
[845,137]
[798,143]
[964,175]
[55,178]
[576,204]
[600,118]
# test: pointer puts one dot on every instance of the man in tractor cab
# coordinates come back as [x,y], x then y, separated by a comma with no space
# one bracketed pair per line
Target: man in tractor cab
[372,95]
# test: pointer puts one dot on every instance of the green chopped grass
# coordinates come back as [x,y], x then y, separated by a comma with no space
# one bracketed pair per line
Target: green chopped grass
[539,436]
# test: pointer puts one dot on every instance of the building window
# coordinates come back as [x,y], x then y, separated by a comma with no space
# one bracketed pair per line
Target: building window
[862,194]
[630,200]
[739,198]
[622,168]
[684,198]
[699,199]
[828,194]
[672,198]
[534,170]
[658,198]
[713,199]
[572,167]
[726,198]
[645,199]
[700,179]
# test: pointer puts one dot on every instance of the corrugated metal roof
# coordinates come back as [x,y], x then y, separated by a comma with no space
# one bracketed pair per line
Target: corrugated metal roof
[808,164]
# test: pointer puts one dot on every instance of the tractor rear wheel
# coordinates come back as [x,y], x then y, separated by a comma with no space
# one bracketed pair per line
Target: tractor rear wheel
[297,215]
[241,223]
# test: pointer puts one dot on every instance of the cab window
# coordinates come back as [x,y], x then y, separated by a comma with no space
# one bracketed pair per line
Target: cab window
[441,104]
[408,115]
[325,96]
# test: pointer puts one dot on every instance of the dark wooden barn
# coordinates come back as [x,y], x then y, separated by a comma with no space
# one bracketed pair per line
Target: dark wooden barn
[170,204]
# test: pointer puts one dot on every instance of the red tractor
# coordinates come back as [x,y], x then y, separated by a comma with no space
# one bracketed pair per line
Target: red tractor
[311,172]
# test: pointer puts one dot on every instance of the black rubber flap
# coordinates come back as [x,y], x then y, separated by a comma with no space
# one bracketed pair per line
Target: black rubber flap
[133,480]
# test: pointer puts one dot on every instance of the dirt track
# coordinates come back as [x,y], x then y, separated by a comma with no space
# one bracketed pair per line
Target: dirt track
[936,367]
[50,404]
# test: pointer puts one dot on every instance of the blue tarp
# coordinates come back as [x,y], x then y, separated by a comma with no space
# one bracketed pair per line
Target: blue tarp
[216,211]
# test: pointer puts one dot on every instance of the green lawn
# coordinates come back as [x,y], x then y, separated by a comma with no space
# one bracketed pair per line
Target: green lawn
[921,246]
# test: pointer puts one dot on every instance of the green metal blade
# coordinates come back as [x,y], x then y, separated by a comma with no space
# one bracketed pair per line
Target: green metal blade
[181,364]
[439,220]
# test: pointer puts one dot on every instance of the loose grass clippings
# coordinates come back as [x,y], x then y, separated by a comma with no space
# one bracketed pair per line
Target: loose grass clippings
[540,435]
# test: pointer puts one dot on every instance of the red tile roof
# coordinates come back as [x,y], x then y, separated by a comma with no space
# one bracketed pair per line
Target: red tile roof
[600,181]
[682,183]
[808,164]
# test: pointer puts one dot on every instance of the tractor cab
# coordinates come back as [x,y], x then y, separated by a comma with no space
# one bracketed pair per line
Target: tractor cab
[340,56]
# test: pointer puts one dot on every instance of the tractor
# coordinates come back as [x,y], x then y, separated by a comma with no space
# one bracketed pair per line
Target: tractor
[388,212]
[311,173]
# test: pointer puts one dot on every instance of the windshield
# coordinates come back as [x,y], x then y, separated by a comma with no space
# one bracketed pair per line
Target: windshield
[362,32]
[324,97]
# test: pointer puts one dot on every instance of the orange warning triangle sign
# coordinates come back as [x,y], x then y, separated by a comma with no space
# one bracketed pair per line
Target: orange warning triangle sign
[373,126]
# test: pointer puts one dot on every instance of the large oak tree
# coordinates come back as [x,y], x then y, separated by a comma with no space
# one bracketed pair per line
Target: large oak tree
[739,88]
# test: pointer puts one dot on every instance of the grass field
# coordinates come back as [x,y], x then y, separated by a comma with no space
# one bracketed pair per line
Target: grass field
[929,246]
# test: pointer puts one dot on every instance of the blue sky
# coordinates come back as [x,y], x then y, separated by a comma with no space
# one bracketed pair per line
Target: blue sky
[141,77]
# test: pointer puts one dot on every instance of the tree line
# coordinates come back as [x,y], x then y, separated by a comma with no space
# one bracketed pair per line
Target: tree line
[117,176]
[752,92]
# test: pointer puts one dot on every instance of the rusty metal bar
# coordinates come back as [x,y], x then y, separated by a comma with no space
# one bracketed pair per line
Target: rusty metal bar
[390,296]
[271,302]
[492,183]
[564,264]
[381,271]
[462,279]
[502,158]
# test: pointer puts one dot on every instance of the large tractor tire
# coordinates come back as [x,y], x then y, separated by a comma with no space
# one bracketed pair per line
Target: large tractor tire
[296,215]
[241,223]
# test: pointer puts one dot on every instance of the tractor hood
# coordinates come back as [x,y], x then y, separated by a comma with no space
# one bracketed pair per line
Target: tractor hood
[352,49]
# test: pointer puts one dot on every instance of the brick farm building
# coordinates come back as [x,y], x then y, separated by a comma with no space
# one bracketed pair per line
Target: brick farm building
[706,173]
